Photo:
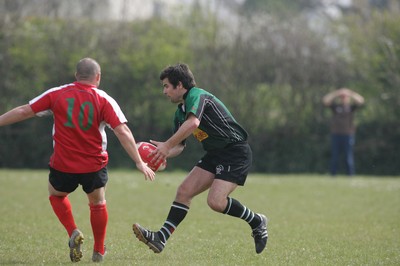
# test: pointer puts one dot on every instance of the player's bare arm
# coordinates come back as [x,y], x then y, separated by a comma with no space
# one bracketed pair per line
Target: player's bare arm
[17,114]
[185,130]
[127,141]
[173,152]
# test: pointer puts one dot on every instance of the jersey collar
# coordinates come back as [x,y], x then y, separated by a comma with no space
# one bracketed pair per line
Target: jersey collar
[186,93]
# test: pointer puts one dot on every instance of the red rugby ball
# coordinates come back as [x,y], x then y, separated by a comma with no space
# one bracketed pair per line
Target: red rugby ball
[145,148]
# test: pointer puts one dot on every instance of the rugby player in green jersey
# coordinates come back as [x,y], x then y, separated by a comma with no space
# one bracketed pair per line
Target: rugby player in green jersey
[225,165]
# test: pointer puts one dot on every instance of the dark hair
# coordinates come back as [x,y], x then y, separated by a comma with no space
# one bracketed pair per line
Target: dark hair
[179,73]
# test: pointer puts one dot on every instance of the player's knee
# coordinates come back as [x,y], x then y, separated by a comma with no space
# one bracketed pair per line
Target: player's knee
[182,194]
[215,204]
[98,202]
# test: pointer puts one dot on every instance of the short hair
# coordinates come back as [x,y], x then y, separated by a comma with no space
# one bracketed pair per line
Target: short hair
[87,68]
[179,73]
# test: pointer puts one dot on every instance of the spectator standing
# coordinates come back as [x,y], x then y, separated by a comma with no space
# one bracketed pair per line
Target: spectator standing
[343,103]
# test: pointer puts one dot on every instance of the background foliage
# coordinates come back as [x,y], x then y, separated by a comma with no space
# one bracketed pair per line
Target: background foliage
[271,70]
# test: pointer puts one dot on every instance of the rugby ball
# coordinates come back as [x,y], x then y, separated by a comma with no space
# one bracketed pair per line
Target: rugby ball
[145,148]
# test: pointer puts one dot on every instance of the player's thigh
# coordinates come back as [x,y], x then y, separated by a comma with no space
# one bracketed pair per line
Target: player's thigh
[197,181]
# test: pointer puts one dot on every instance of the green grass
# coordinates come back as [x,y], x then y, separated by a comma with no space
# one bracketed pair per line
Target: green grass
[314,220]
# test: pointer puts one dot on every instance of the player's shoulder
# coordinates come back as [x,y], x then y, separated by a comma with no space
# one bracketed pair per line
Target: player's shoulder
[103,95]
[197,90]
[52,92]
[61,88]
[196,93]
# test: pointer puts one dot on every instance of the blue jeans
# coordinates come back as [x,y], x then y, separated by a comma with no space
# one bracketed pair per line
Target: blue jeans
[342,148]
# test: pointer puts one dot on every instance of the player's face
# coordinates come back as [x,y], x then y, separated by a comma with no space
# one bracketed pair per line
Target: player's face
[175,94]
[345,99]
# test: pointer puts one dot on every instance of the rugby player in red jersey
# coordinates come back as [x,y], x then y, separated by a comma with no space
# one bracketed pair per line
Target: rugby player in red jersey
[81,112]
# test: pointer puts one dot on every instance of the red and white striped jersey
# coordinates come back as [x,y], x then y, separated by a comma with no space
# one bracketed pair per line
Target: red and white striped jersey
[81,112]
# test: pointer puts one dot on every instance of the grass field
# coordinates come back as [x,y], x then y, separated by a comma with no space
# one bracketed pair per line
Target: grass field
[314,220]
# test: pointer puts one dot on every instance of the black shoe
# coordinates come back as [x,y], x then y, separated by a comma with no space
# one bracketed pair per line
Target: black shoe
[148,237]
[260,234]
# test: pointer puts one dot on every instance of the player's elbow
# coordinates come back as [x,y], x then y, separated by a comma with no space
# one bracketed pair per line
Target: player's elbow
[194,123]
[122,131]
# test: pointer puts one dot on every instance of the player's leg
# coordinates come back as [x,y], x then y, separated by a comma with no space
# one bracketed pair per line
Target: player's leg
[59,186]
[94,186]
[62,208]
[196,182]
[98,221]
[219,200]
[233,164]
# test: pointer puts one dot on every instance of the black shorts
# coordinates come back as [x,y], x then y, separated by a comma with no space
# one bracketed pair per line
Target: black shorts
[231,163]
[66,182]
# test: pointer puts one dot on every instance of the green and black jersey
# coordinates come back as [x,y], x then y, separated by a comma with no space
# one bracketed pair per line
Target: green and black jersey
[217,128]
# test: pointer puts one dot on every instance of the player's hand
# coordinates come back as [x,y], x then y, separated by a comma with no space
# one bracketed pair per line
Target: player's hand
[161,153]
[148,173]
